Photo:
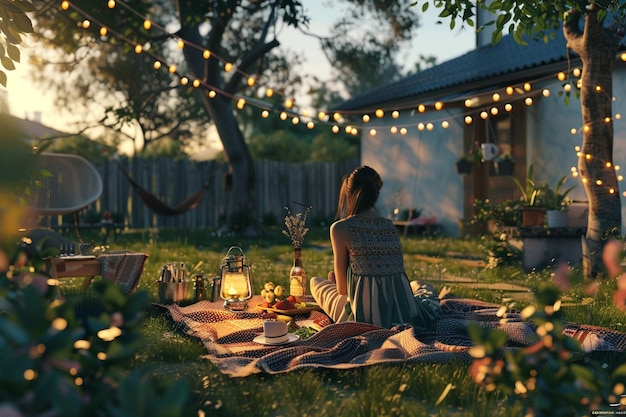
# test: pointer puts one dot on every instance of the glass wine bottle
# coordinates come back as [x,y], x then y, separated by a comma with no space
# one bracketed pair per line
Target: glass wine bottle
[297,277]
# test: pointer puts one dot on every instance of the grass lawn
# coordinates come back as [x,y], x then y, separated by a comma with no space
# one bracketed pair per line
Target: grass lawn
[402,390]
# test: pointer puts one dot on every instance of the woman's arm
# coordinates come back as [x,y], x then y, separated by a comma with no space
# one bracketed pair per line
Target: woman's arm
[339,239]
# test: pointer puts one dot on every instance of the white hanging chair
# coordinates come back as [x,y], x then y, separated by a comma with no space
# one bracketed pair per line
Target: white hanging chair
[75,183]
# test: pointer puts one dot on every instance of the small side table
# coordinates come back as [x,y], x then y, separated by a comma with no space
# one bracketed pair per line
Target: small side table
[74,266]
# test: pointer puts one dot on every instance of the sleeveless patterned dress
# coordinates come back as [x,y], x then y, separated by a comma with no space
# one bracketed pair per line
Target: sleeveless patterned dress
[379,291]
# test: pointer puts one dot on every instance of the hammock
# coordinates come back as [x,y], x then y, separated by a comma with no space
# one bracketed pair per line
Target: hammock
[159,207]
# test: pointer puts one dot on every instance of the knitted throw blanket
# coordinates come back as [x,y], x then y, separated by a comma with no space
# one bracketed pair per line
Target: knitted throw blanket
[228,337]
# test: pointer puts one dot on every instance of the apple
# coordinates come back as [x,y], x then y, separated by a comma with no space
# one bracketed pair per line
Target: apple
[284,305]
[291,299]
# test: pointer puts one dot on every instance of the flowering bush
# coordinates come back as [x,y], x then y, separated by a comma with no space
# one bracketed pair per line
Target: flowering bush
[505,213]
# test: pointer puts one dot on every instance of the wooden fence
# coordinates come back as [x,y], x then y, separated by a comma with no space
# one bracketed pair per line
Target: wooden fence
[278,184]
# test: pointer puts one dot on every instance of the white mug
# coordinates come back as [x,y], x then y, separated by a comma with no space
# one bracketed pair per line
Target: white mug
[489,150]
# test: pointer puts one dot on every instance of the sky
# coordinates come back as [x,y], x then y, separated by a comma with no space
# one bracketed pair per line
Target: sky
[25,100]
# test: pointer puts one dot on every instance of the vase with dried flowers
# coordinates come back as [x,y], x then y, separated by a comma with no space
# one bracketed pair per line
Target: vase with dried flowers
[296,230]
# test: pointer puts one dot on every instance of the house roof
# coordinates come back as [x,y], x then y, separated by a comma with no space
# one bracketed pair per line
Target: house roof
[488,66]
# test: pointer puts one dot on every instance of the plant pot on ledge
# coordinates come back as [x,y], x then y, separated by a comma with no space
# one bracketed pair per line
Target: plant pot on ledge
[533,216]
[556,218]
[464,167]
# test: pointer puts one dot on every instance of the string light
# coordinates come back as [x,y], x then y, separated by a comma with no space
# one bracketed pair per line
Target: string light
[252,81]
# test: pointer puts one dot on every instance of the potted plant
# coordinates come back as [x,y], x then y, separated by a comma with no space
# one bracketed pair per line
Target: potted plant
[556,202]
[533,210]
[465,163]
[504,164]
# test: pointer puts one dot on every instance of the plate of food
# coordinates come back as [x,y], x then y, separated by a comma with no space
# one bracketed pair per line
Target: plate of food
[288,308]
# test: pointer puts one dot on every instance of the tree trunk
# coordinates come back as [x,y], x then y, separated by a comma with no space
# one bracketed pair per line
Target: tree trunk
[595,162]
[242,204]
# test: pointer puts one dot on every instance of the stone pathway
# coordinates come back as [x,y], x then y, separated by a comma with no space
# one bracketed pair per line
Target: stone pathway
[509,291]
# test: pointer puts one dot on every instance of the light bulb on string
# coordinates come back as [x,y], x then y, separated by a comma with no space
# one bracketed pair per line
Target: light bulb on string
[508,107]
[468,102]
[138,49]
[561,76]
[546,92]
[355,131]
[206,54]
[484,115]
[372,132]
[393,130]
[579,84]
[269,92]
[289,103]
[322,115]
[438,105]
[365,118]
[445,124]
[468,120]
[623,56]
[111,4]
[495,97]
[527,87]
[509,90]
[528,101]
[421,108]
[295,120]
[157,65]
[379,113]
[618,116]
[147,24]
[576,72]
[611,190]
[336,117]
[310,125]
[599,182]
[65,5]
[228,67]
[265,114]
[172,68]
[85,24]
[283,116]
[573,131]
[196,83]
[395,114]
[494,111]
[335,129]
[104,31]
[420,126]
[348,129]
[617,167]
[180,44]
[212,94]
[241,103]
[608,164]
[184,80]
[598,88]
[251,81]
[429,126]
[567,87]
[607,120]
[403,131]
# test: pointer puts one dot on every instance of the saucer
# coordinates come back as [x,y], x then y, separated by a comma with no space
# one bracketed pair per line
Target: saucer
[261,339]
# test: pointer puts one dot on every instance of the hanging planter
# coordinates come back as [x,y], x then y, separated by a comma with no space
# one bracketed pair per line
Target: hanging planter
[504,167]
[464,167]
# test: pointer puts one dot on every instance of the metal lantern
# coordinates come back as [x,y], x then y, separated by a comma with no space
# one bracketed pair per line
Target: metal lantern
[236,280]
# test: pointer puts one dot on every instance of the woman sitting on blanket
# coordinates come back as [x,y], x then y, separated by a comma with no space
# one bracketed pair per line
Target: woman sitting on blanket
[369,283]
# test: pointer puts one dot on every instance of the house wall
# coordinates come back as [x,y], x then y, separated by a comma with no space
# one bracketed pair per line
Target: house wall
[418,169]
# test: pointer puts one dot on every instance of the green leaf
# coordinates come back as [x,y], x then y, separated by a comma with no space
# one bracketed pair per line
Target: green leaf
[7,63]
[425,6]
[13,52]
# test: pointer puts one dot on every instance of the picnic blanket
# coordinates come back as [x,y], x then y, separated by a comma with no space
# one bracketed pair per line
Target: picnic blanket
[228,337]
